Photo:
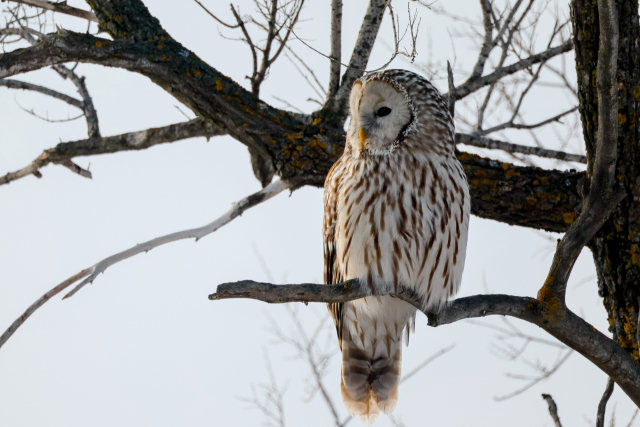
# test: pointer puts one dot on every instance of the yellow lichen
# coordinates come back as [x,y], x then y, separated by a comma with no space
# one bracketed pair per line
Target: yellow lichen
[622,119]
[547,296]
[569,217]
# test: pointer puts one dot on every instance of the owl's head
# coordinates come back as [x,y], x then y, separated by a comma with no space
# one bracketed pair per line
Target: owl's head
[380,111]
[386,108]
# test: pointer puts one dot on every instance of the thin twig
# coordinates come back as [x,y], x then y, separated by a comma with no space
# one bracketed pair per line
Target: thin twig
[511,125]
[546,373]
[16,84]
[480,141]
[215,17]
[426,362]
[60,7]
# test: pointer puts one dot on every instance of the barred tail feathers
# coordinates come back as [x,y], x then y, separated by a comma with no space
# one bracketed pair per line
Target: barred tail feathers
[371,359]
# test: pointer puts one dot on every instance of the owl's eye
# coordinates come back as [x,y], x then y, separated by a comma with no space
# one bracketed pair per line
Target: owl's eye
[383,111]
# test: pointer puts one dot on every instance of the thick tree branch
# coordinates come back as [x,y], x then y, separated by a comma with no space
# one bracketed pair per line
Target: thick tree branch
[128,20]
[524,196]
[302,147]
[131,141]
[90,274]
[562,324]
[602,196]
[60,7]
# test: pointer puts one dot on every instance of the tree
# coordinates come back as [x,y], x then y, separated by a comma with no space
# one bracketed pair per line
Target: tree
[300,148]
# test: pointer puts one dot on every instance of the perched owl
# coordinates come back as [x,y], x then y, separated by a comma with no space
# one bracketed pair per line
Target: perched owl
[396,212]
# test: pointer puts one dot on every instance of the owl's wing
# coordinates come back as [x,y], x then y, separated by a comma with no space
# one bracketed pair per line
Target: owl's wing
[332,274]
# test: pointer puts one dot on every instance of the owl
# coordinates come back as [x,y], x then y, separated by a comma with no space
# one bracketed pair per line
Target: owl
[396,212]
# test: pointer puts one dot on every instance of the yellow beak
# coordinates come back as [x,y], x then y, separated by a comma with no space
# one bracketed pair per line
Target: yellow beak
[362,135]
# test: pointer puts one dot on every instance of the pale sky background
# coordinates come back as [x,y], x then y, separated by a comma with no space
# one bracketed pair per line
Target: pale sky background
[143,346]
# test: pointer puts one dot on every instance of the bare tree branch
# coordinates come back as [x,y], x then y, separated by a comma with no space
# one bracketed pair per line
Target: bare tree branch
[545,373]
[273,405]
[361,52]
[131,141]
[36,305]
[430,359]
[602,406]
[215,17]
[472,86]
[336,47]
[553,409]
[480,141]
[76,169]
[559,322]
[60,7]
[87,105]
[487,43]
[511,125]
[195,233]
[16,84]
[602,197]
[451,95]
[92,272]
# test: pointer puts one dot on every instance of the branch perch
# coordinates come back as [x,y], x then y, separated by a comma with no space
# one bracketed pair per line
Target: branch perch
[565,326]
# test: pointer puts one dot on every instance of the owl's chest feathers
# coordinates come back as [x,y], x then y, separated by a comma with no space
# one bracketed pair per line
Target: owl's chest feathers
[395,217]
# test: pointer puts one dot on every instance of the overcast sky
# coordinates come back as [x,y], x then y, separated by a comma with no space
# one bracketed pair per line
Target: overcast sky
[143,346]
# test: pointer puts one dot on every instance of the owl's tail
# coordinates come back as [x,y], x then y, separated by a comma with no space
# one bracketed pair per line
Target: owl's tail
[370,376]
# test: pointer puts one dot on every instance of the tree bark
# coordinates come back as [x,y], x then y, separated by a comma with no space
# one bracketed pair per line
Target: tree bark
[615,248]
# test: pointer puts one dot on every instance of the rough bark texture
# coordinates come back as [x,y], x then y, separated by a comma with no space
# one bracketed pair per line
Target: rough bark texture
[616,247]
[302,147]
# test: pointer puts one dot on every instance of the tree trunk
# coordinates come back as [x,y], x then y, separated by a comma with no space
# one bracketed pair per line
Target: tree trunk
[615,248]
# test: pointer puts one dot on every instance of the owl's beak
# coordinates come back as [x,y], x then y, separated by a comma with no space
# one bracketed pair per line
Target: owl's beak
[363,135]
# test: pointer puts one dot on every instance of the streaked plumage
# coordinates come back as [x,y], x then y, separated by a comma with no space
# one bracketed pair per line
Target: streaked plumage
[396,212]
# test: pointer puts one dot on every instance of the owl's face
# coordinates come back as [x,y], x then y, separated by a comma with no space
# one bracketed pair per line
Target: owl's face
[379,114]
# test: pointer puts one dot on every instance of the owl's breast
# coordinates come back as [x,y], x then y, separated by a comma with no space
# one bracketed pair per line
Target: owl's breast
[403,220]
